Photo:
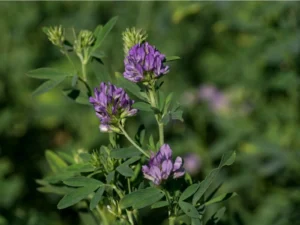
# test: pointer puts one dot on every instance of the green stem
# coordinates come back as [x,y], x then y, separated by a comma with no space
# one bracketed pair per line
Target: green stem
[102,216]
[153,103]
[133,142]
[84,77]
[161,133]
[172,220]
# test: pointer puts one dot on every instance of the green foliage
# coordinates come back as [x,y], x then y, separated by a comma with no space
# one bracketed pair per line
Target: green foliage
[248,50]
[142,198]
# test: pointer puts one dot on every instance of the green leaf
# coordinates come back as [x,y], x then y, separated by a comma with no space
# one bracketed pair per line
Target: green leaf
[47,86]
[204,185]
[100,71]
[76,196]
[55,162]
[82,181]
[151,143]
[172,58]
[131,160]
[167,103]
[80,168]
[55,189]
[142,106]
[159,204]
[125,170]
[110,177]
[195,221]
[101,33]
[97,30]
[123,153]
[216,217]
[67,157]
[59,176]
[77,96]
[48,73]
[87,218]
[189,191]
[189,209]
[141,198]
[221,198]
[140,135]
[226,160]
[97,197]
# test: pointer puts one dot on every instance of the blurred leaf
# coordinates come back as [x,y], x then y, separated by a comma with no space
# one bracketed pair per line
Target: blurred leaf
[59,176]
[221,198]
[172,58]
[189,209]
[159,204]
[142,106]
[48,73]
[55,162]
[47,86]
[66,157]
[227,159]
[189,191]
[87,218]
[97,197]
[101,33]
[101,72]
[55,189]
[125,170]
[140,135]
[125,153]
[195,221]
[82,181]
[77,96]
[216,217]
[80,168]
[76,196]
[141,198]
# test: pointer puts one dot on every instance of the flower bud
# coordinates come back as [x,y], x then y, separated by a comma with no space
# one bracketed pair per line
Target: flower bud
[55,35]
[132,37]
[84,39]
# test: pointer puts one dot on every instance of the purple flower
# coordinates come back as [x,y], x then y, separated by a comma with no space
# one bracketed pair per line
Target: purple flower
[160,166]
[143,63]
[216,99]
[111,105]
[192,163]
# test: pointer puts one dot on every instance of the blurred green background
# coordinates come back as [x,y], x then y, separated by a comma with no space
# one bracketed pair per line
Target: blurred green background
[249,51]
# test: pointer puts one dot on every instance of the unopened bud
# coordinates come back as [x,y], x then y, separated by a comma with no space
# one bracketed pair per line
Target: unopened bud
[132,37]
[55,35]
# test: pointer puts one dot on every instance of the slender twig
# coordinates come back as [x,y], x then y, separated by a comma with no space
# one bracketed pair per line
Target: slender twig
[133,142]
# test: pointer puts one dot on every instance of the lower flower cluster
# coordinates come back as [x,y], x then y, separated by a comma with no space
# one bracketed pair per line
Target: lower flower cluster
[161,167]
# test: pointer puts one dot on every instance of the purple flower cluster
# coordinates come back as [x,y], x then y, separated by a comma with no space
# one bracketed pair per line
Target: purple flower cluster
[144,62]
[161,166]
[111,105]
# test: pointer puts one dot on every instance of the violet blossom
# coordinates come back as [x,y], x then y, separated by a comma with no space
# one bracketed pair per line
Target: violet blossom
[112,104]
[161,167]
[143,63]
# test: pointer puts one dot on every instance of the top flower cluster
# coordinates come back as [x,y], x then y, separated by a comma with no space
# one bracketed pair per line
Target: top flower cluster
[144,63]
